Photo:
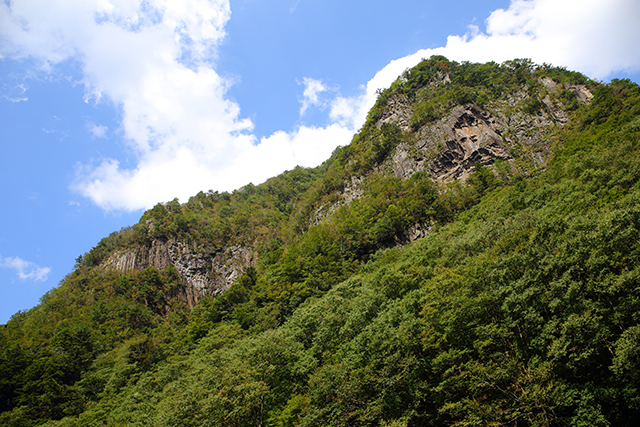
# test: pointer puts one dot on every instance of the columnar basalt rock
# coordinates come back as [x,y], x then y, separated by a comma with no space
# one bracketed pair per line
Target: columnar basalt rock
[204,271]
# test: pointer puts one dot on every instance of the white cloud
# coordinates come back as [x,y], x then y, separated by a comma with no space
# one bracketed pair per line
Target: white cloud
[181,174]
[305,146]
[21,99]
[155,60]
[14,93]
[312,88]
[98,131]
[352,111]
[26,270]
[591,36]
[157,63]
[294,7]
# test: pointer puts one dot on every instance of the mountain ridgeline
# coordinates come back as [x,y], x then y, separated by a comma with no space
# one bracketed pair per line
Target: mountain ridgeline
[472,258]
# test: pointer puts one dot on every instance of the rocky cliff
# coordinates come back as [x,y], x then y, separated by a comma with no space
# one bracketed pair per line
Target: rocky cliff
[517,130]
[204,271]
[468,134]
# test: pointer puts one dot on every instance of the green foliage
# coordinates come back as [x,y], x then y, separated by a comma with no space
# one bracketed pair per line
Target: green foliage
[521,307]
[54,362]
[533,106]
[437,85]
[616,103]
[381,147]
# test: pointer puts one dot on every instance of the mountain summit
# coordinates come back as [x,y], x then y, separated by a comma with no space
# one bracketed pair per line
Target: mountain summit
[471,258]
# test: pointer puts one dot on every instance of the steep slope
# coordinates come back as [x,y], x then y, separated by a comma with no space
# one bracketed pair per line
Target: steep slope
[470,259]
[440,118]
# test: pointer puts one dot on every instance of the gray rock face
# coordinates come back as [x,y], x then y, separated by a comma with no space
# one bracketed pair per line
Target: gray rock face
[449,148]
[472,137]
[352,190]
[555,111]
[203,271]
[549,83]
[582,93]
[398,111]
[418,231]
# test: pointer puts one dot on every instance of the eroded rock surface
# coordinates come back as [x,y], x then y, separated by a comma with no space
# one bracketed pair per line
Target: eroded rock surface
[203,271]
[449,148]
[472,137]
[398,111]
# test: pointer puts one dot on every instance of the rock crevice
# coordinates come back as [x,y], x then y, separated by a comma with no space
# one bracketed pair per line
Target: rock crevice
[449,148]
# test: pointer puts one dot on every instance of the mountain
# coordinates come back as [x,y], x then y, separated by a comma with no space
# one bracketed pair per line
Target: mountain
[471,258]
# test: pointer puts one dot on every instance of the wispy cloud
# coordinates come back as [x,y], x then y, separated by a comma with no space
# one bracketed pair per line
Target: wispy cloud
[16,99]
[312,88]
[156,60]
[98,131]
[25,270]
[294,6]
[14,93]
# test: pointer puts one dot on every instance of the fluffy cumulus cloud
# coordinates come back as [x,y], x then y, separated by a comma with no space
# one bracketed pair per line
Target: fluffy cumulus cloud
[307,145]
[156,61]
[26,270]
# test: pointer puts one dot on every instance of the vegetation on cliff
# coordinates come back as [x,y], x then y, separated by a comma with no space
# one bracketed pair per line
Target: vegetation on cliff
[518,304]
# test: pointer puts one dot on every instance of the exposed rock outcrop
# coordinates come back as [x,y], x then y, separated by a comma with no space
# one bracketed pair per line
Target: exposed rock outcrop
[203,271]
[398,111]
[418,231]
[581,91]
[449,148]
[472,136]
[351,191]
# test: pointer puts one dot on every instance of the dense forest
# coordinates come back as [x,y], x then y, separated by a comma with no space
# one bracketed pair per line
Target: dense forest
[472,258]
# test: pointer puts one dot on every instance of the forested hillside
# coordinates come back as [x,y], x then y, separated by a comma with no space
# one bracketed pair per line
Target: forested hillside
[471,258]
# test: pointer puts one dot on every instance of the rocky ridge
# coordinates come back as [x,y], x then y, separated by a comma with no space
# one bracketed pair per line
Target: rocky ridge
[448,148]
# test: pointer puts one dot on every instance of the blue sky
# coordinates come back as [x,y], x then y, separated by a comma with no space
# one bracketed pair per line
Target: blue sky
[110,106]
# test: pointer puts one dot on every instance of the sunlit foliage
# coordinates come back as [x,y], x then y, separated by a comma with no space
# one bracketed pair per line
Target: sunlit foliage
[520,307]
